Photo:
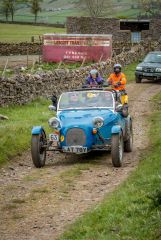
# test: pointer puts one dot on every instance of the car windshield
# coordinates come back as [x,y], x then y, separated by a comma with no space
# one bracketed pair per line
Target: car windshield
[153,58]
[86,99]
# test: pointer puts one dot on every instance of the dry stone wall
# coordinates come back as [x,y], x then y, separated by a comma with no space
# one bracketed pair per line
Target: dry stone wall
[88,25]
[22,48]
[23,88]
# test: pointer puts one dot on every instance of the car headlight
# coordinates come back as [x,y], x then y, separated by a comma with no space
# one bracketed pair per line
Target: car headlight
[98,122]
[54,122]
[139,68]
[158,69]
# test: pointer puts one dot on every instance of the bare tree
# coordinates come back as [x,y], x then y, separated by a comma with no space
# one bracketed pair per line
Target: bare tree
[9,7]
[95,7]
[150,6]
[12,8]
[6,8]
[35,7]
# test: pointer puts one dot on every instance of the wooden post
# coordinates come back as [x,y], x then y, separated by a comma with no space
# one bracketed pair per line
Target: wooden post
[27,58]
[84,59]
[4,70]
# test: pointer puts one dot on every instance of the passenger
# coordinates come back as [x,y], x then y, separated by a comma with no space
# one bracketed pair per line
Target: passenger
[94,78]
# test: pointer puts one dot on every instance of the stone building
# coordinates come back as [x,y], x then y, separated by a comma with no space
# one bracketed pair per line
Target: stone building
[129,30]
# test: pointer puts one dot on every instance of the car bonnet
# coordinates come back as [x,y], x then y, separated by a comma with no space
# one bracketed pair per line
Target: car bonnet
[85,117]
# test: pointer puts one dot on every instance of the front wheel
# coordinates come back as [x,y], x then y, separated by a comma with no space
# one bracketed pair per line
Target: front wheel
[38,151]
[137,79]
[117,149]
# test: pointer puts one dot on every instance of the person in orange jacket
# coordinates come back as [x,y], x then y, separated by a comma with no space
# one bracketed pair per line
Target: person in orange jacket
[118,82]
[117,79]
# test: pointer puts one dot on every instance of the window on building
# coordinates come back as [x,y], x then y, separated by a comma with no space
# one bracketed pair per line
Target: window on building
[135,37]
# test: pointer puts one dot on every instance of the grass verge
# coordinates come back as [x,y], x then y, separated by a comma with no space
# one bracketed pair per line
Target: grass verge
[133,211]
[15,133]
[130,72]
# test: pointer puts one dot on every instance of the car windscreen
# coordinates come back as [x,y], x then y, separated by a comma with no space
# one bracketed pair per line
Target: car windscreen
[153,58]
[86,99]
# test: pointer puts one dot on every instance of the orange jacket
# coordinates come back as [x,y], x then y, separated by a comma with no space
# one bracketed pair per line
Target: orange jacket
[114,79]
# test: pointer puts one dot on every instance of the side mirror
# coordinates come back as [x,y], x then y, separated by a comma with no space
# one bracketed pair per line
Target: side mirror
[54,100]
[119,108]
[140,60]
[52,108]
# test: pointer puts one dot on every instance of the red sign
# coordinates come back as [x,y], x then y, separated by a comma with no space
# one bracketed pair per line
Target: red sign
[76,47]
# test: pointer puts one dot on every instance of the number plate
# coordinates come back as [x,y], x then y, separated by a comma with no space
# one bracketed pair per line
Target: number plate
[53,137]
[75,149]
[148,74]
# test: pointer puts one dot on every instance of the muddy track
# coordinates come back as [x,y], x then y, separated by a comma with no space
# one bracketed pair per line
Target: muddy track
[41,203]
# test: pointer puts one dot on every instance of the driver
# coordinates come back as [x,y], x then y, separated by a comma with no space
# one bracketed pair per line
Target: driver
[74,100]
[94,78]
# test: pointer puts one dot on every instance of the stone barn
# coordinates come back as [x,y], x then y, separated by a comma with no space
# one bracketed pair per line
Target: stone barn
[125,30]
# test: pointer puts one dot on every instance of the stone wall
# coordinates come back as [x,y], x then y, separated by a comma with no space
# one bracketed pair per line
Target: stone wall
[23,88]
[7,49]
[22,48]
[87,25]
[154,32]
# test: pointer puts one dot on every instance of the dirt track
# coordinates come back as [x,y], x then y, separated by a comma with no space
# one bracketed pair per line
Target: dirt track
[40,203]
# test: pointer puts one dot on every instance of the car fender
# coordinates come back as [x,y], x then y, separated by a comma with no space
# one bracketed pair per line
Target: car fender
[36,130]
[116,129]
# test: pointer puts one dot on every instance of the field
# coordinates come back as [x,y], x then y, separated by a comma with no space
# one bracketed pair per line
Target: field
[57,11]
[23,33]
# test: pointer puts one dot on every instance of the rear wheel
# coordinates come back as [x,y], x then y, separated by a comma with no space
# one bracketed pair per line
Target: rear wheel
[117,149]
[137,79]
[38,151]
[128,145]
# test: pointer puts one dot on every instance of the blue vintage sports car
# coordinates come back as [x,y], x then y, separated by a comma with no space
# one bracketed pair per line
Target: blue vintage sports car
[86,120]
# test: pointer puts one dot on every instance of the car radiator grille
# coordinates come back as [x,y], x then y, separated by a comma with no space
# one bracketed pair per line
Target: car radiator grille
[149,70]
[75,137]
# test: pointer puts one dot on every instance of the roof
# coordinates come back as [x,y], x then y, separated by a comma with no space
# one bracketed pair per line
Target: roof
[156,52]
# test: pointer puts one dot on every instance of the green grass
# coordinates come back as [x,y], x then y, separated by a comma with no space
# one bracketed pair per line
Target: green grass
[130,72]
[15,133]
[133,211]
[23,33]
